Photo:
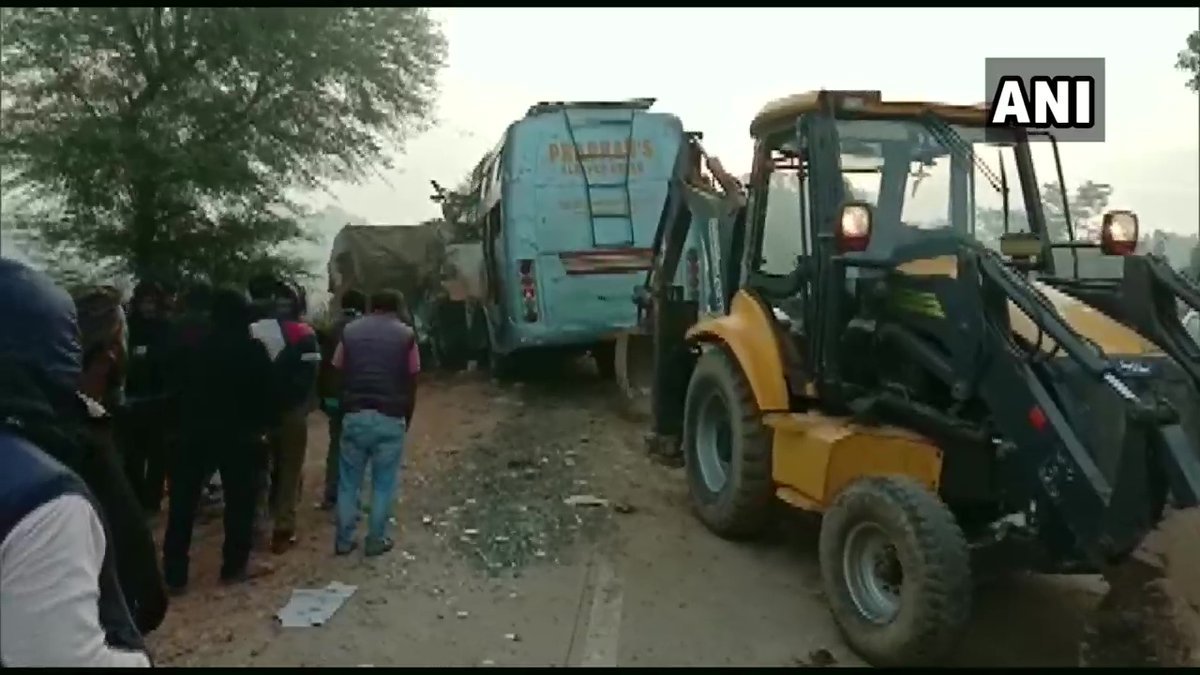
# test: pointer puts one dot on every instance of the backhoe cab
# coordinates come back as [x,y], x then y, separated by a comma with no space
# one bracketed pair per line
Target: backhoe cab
[933,399]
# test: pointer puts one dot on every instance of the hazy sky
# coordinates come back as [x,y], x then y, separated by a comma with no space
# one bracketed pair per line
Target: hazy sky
[715,68]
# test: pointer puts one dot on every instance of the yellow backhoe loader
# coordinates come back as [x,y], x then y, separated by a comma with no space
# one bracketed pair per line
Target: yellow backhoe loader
[939,403]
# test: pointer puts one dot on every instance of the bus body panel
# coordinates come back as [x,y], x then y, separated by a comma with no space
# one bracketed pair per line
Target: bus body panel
[583,191]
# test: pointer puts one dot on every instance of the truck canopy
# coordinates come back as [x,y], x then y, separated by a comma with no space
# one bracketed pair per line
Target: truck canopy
[413,259]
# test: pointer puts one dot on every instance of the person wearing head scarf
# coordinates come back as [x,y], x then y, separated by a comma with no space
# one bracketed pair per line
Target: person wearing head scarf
[226,405]
[101,333]
[61,602]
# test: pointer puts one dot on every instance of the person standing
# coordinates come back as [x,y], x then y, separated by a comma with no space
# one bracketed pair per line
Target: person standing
[296,357]
[189,327]
[353,305]
[379,361]
[142,425]
[101,332]
[226,406]
[60,597]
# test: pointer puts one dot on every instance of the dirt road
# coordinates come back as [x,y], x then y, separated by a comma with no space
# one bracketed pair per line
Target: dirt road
[492,567]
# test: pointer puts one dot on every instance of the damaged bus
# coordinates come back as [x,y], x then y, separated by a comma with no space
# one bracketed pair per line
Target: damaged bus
[567,205]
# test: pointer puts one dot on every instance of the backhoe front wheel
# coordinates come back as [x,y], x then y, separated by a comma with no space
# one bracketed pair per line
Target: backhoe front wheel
[896,571]
[726,449]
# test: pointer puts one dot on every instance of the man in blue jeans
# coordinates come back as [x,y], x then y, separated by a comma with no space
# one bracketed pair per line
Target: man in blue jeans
[379,361]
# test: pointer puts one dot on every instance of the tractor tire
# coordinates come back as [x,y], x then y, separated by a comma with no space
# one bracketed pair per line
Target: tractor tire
[915,541]
[605,356]
[726,449]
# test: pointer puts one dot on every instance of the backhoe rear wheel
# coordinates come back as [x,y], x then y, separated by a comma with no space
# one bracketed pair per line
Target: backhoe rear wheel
[896,570]
[726,449]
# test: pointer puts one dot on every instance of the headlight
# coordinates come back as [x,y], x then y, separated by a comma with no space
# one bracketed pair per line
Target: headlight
[1119,233]
[854,230]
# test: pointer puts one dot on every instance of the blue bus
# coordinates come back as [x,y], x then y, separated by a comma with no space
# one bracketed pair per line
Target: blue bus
[568,203]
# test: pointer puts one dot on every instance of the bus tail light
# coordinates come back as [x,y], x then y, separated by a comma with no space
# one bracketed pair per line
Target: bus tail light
[528,290]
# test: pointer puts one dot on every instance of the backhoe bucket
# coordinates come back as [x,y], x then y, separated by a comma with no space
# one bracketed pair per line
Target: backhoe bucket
[1150,616]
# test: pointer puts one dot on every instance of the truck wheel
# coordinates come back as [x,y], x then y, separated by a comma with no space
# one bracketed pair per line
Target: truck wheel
[502,366]
[605,356]
[896,570]
[726,449]
[634,359]
[446,357]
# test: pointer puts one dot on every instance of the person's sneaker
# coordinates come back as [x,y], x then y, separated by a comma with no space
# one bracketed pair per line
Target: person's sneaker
[345,550]
[282,541]
[250,571]
[378,547]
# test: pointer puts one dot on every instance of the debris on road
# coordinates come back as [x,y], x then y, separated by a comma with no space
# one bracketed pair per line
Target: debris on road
[817,658]
[585,500]
[500,502]
[310,607]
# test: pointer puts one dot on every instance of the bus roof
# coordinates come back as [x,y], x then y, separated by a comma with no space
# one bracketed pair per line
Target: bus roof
[781,113]
[555,106]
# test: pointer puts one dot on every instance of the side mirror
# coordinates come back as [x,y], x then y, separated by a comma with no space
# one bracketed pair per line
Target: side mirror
[1119,233]
[854,227]
[1020,245]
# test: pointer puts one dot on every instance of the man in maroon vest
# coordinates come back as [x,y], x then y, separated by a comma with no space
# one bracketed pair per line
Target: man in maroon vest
[379,361]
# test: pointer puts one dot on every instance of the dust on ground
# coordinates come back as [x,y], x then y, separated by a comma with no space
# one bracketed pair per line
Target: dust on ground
[489,468]
[1151,614]
[502,502]
[211,615]
[494,567]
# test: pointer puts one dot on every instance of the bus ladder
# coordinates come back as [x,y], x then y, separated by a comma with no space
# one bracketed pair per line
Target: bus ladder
[590,187]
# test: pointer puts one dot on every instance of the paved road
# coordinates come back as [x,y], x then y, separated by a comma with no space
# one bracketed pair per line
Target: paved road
[639,585]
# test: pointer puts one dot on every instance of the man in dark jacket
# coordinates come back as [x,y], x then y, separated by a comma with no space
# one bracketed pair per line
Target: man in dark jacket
[189,326]
[226,406]
[143,424]
[60,596]
[101,331]
[353,305]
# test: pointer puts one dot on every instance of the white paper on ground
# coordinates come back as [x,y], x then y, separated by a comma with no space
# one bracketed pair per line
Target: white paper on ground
[314,606]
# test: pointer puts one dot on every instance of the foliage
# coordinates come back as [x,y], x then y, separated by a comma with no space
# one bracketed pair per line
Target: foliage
[461,220]
[1086,205]
[1189,61]
[168,137]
